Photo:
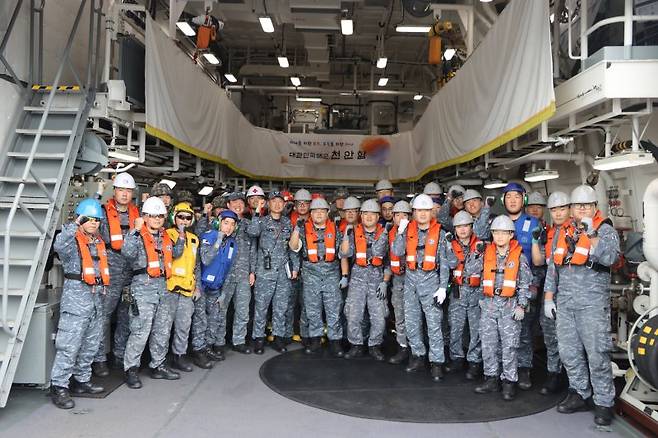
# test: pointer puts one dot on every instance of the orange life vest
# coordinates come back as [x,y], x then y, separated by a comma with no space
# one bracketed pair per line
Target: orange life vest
[581,252]
[511,271]
[205,34]
[116,235]
[88,273]
[152,259]
[431,244]
[396,267]
[329,241]
[342,225]
[361,243]
[548,247]
[457,273]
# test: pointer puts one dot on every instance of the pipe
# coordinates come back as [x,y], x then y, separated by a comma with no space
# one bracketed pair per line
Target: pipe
[650,235]
[317,90]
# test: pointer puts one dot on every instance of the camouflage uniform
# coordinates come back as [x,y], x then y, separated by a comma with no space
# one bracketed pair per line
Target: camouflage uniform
[481,223]
[499,332]
[81,315]
[553,363]
[582,297]
[397,300]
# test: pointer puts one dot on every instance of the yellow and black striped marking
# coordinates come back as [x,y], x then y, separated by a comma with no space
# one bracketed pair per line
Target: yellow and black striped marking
[60,88]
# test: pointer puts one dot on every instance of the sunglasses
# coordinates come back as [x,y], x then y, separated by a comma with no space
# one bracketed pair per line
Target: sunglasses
[93,219]
[156,216]
[184,217]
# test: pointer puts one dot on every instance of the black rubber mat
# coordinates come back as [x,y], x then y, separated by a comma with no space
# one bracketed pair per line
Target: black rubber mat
[110,383]
[368,389]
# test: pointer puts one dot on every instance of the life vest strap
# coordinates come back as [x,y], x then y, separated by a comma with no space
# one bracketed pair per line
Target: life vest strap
[78,277]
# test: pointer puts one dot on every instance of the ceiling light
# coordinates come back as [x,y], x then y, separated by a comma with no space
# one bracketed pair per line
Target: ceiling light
[541,175]
[624,160]
[230,77]
[346,26]
[283,61]
[449,53]
[211,58]
[412,29]
[494,184]
[185,27]
[410,195]
[345,93]
[205,191]
[308,99]
[486,1]
[382,82]
[418,97]
[169,182]
[266,24]
[552,18]
[381,62]
[123,155]
[295,81]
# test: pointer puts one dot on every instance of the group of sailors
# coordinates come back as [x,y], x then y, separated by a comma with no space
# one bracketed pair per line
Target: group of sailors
[327,273]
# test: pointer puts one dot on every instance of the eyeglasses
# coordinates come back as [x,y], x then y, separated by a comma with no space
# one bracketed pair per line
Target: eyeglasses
[184,217]
[156,216]
[582,206]
[93,219]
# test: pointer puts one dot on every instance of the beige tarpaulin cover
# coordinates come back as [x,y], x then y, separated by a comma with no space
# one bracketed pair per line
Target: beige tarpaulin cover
[503,90]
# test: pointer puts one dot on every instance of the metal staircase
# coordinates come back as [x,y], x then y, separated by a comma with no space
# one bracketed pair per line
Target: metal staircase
[35,168]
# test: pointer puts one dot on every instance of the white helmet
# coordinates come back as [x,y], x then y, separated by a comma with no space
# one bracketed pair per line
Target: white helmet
[154,205]
[471,194]
[456,188]
[536,198]
[351,203]
[255,191]
[432,189]
[124,181]
[558,199]
[318,203]
[402,207]
[503,223]
[462,218]
[371,205]
[583,195]
[303,195]
[422,202]
[383,184]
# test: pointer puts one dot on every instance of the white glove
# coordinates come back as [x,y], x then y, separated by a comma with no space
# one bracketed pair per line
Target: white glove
[403,225]
[549,309]
[439,296]
[519,313]
[343,282]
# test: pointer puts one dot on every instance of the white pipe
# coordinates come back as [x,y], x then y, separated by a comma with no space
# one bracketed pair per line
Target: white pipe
[650,245]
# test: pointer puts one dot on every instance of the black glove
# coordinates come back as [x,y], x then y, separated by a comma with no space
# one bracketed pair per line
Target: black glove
[300,223]
[490,201]
[479,247]
[389,225]
[449,236]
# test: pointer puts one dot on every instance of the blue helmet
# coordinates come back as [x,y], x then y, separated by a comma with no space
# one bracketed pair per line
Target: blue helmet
[513,187]
[91,208]
[228,214]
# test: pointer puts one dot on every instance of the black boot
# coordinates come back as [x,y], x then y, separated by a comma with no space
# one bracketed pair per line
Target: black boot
[509,390]
[61,397]
[100,369]
[132,378]
[200,359]
[416,363]
[490,384]
[279,344]
[313,347]
[436,371]
[474,370]
[212,355]
[259,345]
[218,351]
[242,348]
[376,353]
[572,403]
[602,415]
[306,342]
[524,379]
[355,351]
[455,366]
[84,387]
[164,372]
[117,363]
[400,356]
[336,349]
[551,385]
[180,362]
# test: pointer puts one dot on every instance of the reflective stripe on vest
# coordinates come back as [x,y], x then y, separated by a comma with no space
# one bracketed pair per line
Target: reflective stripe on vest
[329,241]
[580,254]
[114,223]
[431,244]
[511,270]
[361,244]
[457,273]
[182,278]
[153,260]
[88,274]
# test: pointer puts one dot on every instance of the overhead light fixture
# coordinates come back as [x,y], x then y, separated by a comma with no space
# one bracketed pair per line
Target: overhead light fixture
[486,1]
[541,175]
[169,182]
[382,82]
[205,191]
[283,61]
[410,195]
[295,81]
[211,58]
[552,18]
[494,184]
[346,26]
[266,24]
[230,77]
[185,27]
[418,97]
[381,62]
[449,53]
[308,99]
[623,160]
[412,29]
[124,155]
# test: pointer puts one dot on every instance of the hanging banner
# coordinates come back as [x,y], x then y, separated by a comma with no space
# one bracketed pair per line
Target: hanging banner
[502,91]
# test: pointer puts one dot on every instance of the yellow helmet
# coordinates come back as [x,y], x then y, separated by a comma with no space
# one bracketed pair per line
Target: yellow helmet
[183,206]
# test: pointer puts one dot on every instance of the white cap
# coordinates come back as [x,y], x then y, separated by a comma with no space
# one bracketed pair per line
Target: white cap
[351,203]
[371,205]
[456,188]
[422,202]
[303,195]
[583,195]
[471,194]
[383,184]
[502,223]
[154,205]
[124,181]
[402,207]
[432,188]
[255,191]
[558,199]
[462,218]
[319,203]
[536,198]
